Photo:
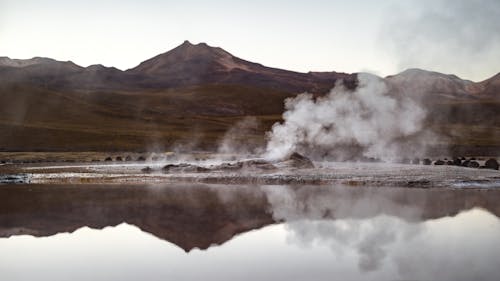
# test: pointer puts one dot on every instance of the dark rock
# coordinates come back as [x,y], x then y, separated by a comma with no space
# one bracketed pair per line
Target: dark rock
[449,163]
[491,164]
[259,164]
[108,159]
[96,160]
[473,164]
[141,158]
[119,158]
[427,161]
[472,159]
[370,160]
[439,162]
[184,168]
[457,162]
[128,158]
[465,163]
[228,166]
[297,160]
[147,169]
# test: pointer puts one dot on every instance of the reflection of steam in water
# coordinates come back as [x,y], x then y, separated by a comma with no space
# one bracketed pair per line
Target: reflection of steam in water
[383,231]
[339,220]
[464,247]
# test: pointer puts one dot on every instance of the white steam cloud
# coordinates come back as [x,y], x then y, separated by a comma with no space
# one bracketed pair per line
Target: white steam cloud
[369,118]
[238,139]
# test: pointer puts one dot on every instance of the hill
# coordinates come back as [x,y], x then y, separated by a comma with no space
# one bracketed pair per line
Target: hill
[194,94]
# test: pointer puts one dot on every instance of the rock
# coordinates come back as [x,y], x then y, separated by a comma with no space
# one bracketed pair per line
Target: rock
[108,159]
[228,166]
[128,158]
[147,169]
[259,164]
[427,161]
[415,161]
[184,168]
[491,164]
[457,161]
[473,164]
[449,163]
[439,162]
[141,158]
[465,163]
[297,160]
[119,158]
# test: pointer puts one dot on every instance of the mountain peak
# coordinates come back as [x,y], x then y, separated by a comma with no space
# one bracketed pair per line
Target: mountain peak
[190,59]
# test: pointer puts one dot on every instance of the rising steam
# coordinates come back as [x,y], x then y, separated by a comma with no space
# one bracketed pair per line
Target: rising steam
[369,120]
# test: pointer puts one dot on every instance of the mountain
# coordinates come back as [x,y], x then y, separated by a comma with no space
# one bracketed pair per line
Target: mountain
[190,64]
[421,82]
[193,94]
[490,88]
[185,65]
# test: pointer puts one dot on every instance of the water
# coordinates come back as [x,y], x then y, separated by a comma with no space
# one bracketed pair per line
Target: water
[230,232]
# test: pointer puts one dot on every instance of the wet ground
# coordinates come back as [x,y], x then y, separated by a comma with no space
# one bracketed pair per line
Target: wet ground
[372,174]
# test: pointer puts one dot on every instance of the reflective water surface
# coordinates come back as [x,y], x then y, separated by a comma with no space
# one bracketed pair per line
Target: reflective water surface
[224,232]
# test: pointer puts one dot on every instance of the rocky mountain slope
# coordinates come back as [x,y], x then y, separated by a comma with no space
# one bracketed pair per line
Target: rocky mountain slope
[194,94]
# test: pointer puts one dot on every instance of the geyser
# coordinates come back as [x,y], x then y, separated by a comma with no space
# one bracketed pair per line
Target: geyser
[373,119]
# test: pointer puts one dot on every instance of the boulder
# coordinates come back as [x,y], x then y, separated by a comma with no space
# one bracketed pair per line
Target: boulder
[491,164]
[427,161]
[184,168]
[141,158]
[457,161]
[296,160]
[119,158]
[147,169]
[108,159]
[449,163]
[473,164]
[439,162]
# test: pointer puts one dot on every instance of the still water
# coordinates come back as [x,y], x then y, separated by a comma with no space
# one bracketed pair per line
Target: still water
[223,232]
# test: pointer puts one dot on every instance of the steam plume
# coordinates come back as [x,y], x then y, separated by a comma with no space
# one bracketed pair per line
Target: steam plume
[368,119]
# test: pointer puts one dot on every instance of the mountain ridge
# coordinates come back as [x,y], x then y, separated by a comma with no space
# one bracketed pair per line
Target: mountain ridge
[196,90]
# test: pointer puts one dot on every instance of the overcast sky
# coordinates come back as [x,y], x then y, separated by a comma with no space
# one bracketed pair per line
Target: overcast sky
[382,37]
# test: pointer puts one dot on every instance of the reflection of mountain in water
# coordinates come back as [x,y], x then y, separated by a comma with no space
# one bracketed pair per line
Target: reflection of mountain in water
[204,215]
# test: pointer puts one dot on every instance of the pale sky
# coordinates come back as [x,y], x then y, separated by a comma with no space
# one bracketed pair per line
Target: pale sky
[382,37]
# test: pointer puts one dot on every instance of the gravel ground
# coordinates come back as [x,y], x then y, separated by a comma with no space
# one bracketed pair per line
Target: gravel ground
[373,174]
